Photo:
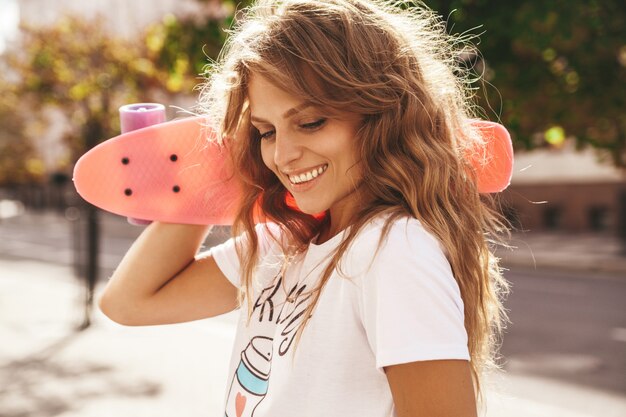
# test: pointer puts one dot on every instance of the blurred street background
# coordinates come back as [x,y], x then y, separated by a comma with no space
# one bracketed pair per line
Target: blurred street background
[553,74]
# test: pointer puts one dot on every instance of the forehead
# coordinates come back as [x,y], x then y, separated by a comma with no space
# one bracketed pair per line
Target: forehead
[265,97]
[268,101]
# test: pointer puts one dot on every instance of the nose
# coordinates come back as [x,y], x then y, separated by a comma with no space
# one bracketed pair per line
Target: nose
[286,150]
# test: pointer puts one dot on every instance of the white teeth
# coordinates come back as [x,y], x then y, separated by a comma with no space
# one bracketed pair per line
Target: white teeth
[307,176]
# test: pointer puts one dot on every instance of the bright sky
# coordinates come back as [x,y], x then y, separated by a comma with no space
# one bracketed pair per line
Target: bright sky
[9,20]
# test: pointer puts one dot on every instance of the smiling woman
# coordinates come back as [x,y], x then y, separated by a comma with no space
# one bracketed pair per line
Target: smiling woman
[368,288]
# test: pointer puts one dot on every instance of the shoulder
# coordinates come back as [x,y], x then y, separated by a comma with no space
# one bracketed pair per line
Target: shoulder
[228,254]
[269,234]
[409,301]
[405,256]
[384,239]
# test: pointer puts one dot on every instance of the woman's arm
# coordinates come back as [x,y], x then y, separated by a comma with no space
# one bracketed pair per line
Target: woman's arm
[439,388]
[159,281]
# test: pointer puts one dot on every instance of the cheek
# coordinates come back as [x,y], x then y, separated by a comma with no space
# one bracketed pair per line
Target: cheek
[267,154]
[348,154]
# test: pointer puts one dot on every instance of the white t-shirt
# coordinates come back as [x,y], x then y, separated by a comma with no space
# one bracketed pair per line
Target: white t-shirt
[399,305]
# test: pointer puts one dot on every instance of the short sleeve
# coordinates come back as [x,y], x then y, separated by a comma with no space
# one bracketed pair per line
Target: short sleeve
[225,254]
[411,305]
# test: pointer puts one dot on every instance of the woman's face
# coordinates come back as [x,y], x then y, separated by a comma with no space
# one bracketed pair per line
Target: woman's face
[312,154]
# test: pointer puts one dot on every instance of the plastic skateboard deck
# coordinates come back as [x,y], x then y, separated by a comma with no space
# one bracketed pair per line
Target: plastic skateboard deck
[175,172]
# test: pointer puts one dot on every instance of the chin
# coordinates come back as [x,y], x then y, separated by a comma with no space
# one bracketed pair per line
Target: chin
[313,212]
[311,209]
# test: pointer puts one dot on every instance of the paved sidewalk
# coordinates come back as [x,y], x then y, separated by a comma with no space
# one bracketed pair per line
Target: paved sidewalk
[49,368]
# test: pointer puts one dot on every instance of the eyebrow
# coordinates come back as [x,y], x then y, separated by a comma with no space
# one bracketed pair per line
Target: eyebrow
[288,113]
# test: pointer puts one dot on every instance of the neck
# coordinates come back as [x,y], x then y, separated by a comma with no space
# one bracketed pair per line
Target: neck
[337,222]
[342,215]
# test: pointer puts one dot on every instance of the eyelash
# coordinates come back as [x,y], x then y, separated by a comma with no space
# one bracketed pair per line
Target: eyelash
[314,125]
[306,126]
[266,134]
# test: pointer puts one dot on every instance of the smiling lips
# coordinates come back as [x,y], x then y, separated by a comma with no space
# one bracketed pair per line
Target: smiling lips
[307,176]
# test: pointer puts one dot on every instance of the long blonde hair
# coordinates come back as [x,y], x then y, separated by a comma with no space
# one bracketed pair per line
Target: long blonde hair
[400,71]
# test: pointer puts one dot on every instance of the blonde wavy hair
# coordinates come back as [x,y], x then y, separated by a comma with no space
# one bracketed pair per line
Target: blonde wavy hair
[398,69]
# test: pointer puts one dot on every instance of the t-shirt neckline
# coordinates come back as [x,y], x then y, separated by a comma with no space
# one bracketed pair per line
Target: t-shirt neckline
[328,245]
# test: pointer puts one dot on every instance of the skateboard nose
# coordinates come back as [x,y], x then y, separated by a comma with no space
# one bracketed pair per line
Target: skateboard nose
[96,176]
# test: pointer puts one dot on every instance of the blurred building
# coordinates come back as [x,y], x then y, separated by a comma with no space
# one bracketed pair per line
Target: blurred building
[566,190]
[9,20]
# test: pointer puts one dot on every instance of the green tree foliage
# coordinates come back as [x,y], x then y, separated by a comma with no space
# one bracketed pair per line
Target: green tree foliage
[185,45]
[553,69]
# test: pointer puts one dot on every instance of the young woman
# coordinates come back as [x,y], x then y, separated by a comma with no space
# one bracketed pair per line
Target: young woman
[360,261]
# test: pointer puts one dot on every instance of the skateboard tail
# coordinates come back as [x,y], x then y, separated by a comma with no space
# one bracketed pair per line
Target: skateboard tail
[492,163]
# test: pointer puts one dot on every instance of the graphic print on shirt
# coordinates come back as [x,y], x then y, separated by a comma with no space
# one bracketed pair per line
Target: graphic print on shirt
[251,378]
[250,381]
[291,315]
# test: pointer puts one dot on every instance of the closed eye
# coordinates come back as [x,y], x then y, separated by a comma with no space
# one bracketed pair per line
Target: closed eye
[264,135]
[267,135]
[313,125]
[306,126]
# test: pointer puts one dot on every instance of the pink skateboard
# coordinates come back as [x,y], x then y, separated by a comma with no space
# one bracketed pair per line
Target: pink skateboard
[175,172]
